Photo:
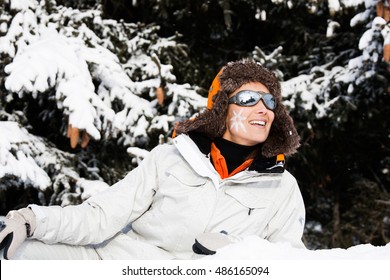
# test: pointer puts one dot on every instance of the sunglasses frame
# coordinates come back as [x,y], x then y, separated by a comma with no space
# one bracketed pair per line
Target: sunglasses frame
[235,100]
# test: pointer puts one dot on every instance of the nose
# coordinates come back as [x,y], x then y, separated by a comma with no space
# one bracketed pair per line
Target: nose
[260,108]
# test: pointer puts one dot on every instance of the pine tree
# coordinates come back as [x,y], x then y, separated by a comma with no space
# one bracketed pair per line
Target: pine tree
[106,85]
[146,65]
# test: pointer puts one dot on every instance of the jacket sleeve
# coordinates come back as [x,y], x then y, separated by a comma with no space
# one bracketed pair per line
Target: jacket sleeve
[104,214]
[288,223]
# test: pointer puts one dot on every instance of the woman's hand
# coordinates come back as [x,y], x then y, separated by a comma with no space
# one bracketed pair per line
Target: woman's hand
[17,226]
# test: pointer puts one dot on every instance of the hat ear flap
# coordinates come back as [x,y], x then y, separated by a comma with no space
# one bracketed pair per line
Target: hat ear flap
[218,113]
[214,89]
[283,137]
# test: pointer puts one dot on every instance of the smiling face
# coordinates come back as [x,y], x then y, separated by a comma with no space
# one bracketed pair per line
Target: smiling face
[248,125]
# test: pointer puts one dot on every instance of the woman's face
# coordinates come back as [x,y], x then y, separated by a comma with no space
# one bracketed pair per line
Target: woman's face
[248,125]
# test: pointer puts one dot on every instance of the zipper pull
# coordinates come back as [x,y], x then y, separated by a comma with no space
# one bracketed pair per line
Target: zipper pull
[250,211]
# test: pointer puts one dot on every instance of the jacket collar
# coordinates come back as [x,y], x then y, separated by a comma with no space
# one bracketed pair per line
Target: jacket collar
[201,164]
[260,164]
[194,156]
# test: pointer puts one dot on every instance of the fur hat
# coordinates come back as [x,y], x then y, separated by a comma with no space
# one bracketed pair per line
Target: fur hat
[283,137]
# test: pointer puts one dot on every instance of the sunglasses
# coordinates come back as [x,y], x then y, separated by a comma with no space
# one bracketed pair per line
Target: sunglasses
[248,98]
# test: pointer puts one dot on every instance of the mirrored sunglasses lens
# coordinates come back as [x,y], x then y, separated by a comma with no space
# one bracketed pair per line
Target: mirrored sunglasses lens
[269,101]
[247,98]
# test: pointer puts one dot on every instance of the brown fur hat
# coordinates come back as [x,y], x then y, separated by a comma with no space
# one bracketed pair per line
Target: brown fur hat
[283,137]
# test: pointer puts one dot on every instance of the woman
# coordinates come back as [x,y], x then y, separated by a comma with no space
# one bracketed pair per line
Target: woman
[221,179]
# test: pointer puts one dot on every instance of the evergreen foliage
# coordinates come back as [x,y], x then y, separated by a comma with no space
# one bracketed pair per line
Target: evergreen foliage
[68,73]
[328,57]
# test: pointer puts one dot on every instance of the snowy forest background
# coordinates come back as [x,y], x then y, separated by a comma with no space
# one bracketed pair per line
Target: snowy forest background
[87,88]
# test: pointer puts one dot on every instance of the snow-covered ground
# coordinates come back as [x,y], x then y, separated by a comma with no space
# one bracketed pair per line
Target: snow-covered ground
[253,247]
[242,260]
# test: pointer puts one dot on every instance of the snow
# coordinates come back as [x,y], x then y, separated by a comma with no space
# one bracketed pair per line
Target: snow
[69,60]
[17,156]
[28,157]
[53,60]
[138,153]
[73,59]
[91,187]
[22,5]
[253,247]
[59,57]
[331,29]
[368,36]
[334,6]
[314,87]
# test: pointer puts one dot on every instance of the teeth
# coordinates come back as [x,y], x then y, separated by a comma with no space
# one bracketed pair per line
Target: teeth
[262,123]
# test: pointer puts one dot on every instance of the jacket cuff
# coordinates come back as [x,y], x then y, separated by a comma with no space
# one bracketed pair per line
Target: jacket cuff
[41,218]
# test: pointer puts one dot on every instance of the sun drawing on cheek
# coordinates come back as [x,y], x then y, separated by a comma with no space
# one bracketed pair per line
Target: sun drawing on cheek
[237,121]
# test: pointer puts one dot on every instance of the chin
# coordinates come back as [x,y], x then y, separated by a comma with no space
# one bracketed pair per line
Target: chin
[261,138]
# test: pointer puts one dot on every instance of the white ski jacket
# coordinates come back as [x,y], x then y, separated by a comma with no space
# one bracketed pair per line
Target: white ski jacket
[174,195]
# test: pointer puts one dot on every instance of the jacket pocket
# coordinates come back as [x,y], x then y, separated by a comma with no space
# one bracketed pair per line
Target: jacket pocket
[180,190]
[186,178]
[245,211]
[247,198]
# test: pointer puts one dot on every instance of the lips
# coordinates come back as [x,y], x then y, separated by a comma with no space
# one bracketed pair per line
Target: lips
[258,122]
